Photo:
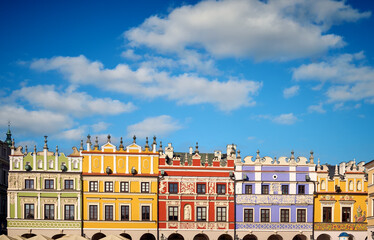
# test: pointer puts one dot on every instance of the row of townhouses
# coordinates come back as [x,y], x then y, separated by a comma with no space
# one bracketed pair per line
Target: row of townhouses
[153,192]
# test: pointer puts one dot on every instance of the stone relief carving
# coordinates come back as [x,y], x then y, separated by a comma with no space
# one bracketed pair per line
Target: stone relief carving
[187,187]
[187,212]
[162,187]
[211,187]
[231,188]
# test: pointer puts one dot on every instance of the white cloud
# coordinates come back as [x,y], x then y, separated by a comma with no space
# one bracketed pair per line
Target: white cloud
[285,119]
[154,126]
[72,134]
[291,91]
[316,108]
[27,122]
[150,83]
[29,143]
[70,101]
[100,126]
[130,54]
[349,78]
[276,30]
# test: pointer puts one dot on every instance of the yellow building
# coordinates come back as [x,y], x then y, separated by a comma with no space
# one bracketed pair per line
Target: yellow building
[370,215]
[341,201]
[120,190]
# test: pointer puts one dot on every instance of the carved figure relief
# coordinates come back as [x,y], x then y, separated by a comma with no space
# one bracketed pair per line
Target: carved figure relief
[231,188]
[187,212]
[360,216]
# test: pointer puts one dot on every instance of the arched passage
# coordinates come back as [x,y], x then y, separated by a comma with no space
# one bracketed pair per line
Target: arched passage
[324,237]
[225,237]
[98,236]
[125,235]
[147,236]
[201,236]
[275,237]
[249,237]
[28,235]
[57,236]
[175,236]
[299,237]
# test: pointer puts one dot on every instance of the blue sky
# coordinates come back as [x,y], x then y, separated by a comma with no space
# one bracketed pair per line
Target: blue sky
[269,75]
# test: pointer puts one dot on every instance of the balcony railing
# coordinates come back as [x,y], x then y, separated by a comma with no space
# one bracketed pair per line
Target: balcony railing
[274,199]
[338,226]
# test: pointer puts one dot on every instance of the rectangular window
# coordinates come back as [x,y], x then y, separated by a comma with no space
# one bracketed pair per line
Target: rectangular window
[93,212]
[201,214]
[145,213]
[108,213]
[221,214]
[248,189]
[301,189]
[221,188]
[93,186]
[173,187]
[284,189]
[29,211]
[248,215]
[285,215]
[49,211]
[201,188]
[69,184]
[48,184]
[346,214]
[29,184]
[124,186]
[301,215]
[125,213]
[265,189]
[265,215]
[173,213]
[69,212]
[108,186]
[145,187]
[327,214]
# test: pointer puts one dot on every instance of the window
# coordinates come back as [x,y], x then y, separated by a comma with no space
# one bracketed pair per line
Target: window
[265,189]
[29,211]
[221,188]
[69,184]
[326,214]
[69,212]
[145,187]
[145,213]
[108,186]
[285,215]
[93,212]
[173,213]
[48,184]
[323,185]
[301,189]
[248,215]
[285,189]
[358,186]
[221,214]
[93,186]
[109,213]
[49,211]
[301,215]
[51,164]
[124,187]
[29,184]
[173,187]
[201,188]
[248,189]
[125,213]
[201,214]
[40,164]
[265,215]
[350,185]
[346,214]
[75,164]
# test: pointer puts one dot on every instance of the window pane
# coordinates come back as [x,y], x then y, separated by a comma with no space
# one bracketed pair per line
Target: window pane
[93,212]
[145,213]
[125,213]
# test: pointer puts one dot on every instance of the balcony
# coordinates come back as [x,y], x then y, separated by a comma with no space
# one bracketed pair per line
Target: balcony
[338,226]
[275,226]
[274,199]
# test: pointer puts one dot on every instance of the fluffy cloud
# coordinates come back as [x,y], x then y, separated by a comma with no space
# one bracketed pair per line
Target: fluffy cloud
[276,30]
[150,83]
[70,102]
[283,119]
[349,79]
[291,91]
[154,126]
[316,108]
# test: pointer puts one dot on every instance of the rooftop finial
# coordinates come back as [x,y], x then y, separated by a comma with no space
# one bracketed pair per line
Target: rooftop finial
[336,170]
[8,139]
[160,148]
[134,141]
[146,143]
[88,139]
[154,140]
[121,144]
[45,143]
[34,148]
[96,146]
[292,155]
[197,148]
[232,149]
[258,155]
[81,148]
[354,161]
[26,149]
[311,158]
[319,162]
[238,154]
[13,145]
[109,138]
[56,149]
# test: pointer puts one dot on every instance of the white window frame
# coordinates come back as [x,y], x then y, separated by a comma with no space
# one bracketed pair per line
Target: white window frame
[98,211]
[306,214]
[269,214]
[150,212]
[120,186]
[289,214]
[120,208]
[253,213]
[114,211]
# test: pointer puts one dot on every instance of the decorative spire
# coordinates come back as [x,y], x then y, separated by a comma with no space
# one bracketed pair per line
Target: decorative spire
[121,144]
[160,148]
[26,149]
[354,161]
[336,170]
[238,154]
[109,138]
[45,143]
[134,141]
[13,145]
[258,155]
[311,158]
[96,146]
[88,139]
[292,158]
[197,148]
[81,148]
[232,149]
[154,140]
[8,139]
[34,148]
[146,143]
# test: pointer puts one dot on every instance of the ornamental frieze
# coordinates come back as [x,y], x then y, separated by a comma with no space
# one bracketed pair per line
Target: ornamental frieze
[43,224]
[340,227]
[187,187]
[276,226]
[274,199]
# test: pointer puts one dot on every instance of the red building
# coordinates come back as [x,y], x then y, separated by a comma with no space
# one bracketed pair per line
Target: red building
[196,194]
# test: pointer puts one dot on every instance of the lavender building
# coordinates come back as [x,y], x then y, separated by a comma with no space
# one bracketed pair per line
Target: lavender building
[274,200]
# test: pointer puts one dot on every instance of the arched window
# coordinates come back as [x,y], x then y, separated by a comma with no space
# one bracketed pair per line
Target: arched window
[40,164]
[351,185]
[51,164]
[359,186]
[323,185]
[75,164]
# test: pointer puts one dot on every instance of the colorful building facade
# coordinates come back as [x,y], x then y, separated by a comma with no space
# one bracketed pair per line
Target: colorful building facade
[44,192]
[341,201]
[4,168]
[196,194]
[370,212]
[120,190]
[274,198]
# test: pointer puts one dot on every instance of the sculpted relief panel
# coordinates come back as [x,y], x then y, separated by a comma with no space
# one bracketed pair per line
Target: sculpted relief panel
[275,199]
